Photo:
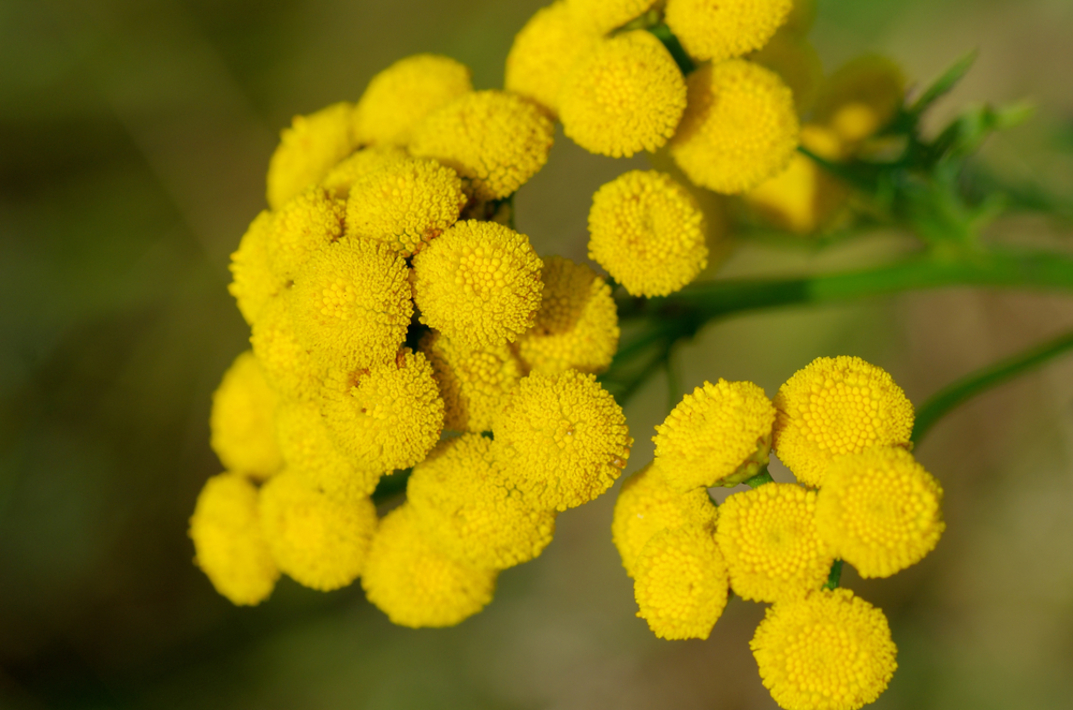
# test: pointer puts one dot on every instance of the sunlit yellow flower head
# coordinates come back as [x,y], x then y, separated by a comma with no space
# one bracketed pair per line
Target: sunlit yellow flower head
[648,232]
[479,283]
[308,221]
[861,97]
[827,651]
[561,439]
[358,164]
[837,406]
[243,435]
[253,282]
[722,29]
[739,128]
[308,150]
[287,364]
[880,510]
[229,546]
[605,15]
[415,584]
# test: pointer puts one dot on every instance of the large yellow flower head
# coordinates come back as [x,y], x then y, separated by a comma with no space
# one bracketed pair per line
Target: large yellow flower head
[310,220]
[287,364]
[624,96]
[648,232]
[253,282]
[415,584]
[400,96]
[319,541]
[739,129]
[834,407]
[861,97]
[229,546]
[495,140]
[605,15]
[722,29]
[772,548]
[462,503]
[718,435]
[827,651]
[243,435]
[880,510]
[311,453]
[479,283]
[561,439]
[308,150]
[358,164]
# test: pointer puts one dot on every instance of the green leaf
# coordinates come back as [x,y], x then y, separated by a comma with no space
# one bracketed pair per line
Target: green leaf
[663,34]
[941,86]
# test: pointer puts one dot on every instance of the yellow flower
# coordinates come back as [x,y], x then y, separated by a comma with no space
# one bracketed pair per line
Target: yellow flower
[605,15]
[722,29]
[243,435]
[230,548]
[309,221]
[288,365]
[415,584]
[837,406]
[624,96]
[561,439]
[769,539]
[827,651]
[648,232]
[461,503]
[253,283]
[861,97]
[360,163]
[479,283]
[739,128]
[319,541]
[308,150]
[880,510]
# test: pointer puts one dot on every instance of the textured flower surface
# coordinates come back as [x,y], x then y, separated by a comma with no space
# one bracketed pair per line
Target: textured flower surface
[308,221]
[308,150]
[358,164]
[605,15]
[253,283]
[473,382]
[242,432]
[287,363]
[722,29]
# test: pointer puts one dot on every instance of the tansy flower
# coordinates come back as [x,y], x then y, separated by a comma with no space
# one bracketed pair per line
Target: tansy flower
[861,98]
[648,232]
[722,29]
[561,439]
[253,282]
[287,364]
[358,164]
[308,150]
[880,510]
[310,220]
[827,651]
[769,539]
[739,128]
[718,435]
[243,435]
[837,406]
[229,546]
[415,584]
[605,15]
[624,96]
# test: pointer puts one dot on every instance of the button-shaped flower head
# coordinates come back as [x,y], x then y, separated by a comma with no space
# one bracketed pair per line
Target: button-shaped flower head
[310,220]
[722,29]
[287,364]
[605,15]
[243,434]
[308,150]
[358,164]
[253,283]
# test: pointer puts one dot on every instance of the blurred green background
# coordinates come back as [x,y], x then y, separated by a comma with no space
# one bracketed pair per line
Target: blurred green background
[134,137]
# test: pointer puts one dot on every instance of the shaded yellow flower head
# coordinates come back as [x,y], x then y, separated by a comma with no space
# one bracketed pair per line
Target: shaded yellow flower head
[308,221]
[253,282]
[287,364]
[242,431]
[722,29]
[358,164]
[605,15]
[308,150]
[861,97]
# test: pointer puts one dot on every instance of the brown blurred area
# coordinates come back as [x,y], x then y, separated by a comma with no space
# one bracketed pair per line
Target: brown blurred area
[134,138]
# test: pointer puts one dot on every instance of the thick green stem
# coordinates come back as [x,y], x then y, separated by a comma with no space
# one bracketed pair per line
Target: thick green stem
[759,479]
[835,576]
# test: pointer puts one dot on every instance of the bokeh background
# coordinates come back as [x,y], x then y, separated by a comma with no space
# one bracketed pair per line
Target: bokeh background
[134,137]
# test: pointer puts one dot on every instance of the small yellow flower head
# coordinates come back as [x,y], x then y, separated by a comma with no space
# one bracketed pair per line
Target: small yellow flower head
[253,282]
[723,29]
[880,510]
[739,129]
[406,204]
[319,541]
[605,15]
[718,435]
[308,221]
[648,232]
[561,439]
[834,407]
[463,505]
[479,283]
[400,96]
[827,651]
[229,546]
[624,96]
[287,364]
[308,150]
[360,163]
[495,140]
[415,584]
[681,583]
[243,435]
[769,539]
[861,98]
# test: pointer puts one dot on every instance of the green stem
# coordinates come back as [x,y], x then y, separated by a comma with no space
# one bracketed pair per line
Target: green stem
[759,479]
[663,34]
[835,576]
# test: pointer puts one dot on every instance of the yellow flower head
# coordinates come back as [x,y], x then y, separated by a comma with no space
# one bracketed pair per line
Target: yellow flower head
[415,584]
[462,503]
[479,283]
[253,283]
[648,232]
[722,29]
[739,129]
[243,435]
[769,539]
[495,140]
[308,150]
[837,406]
[827,651]
[681,583]
[319,541]
[861,98]
[360,163]
[880,510]
[624,96]
[229,546]
[605,15]
[308,221]
[400,96]
[288,366]
[561,439]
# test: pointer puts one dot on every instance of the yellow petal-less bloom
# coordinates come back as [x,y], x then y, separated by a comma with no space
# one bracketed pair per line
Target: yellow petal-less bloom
[253,282]
[243,434]
[478,283]
[359,163]
[648,232]
[769,539]
[722,29]
[624,96]
[739,128]
[287,364]
[308,150]
[230,548]
[415,584]
[561,439]
[837,406]
[880,510]
[718,435]
[307,222]
[605,15]
[828,651]
[861,97]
